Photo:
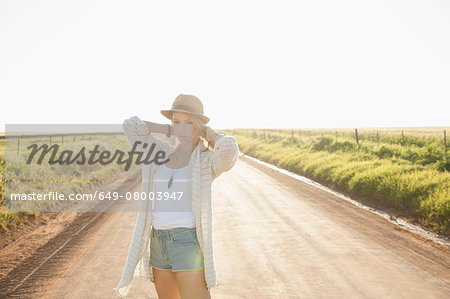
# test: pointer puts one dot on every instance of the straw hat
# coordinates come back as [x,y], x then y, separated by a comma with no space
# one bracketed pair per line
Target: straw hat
[188,104]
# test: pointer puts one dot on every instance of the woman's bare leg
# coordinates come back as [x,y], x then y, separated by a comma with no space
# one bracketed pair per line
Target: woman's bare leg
[166,284]
[192,284]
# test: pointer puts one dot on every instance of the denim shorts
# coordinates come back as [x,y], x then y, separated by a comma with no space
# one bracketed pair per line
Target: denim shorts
[175,249]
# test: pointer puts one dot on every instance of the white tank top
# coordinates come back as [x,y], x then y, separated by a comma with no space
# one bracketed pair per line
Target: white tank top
[171,207]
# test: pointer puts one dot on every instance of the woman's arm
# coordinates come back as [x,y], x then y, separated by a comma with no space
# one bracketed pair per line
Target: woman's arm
[158,128]
[224,154]
[137,130]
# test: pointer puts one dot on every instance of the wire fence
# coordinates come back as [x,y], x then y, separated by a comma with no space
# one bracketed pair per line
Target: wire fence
[56,138]
[393,136]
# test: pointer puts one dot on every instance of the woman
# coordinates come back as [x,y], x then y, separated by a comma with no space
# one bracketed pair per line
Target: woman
[175,250]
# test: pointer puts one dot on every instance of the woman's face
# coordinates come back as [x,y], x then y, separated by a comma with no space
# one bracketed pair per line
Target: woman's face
[183,126]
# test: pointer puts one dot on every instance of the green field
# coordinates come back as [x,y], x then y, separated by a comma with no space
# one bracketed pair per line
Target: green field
[408,173]
[83,176]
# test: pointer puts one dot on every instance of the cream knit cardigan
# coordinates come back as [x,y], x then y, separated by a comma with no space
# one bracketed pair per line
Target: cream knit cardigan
[205,167]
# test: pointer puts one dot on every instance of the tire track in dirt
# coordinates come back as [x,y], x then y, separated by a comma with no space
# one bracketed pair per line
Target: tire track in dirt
[33,274]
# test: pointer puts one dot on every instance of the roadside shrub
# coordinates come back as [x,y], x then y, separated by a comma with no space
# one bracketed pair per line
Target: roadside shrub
[322,143]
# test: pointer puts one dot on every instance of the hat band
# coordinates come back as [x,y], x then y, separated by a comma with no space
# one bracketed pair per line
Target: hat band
[184,107]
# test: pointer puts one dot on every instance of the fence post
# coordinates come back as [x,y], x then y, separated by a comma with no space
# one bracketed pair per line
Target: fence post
[62,139]
[356,136]
[74,136]
[445,141]
[336,137]
[292,133]
[403,139]
[18,144]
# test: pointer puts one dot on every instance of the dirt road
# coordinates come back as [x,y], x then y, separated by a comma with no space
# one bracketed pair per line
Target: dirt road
[274,237]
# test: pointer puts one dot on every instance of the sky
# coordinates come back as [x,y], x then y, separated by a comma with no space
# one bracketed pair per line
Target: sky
[253,64]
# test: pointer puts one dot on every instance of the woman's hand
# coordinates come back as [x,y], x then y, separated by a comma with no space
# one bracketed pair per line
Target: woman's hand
[139,125]
[208,133]
[211,134]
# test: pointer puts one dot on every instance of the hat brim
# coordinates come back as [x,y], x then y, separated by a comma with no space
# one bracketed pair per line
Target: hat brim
[168,114]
